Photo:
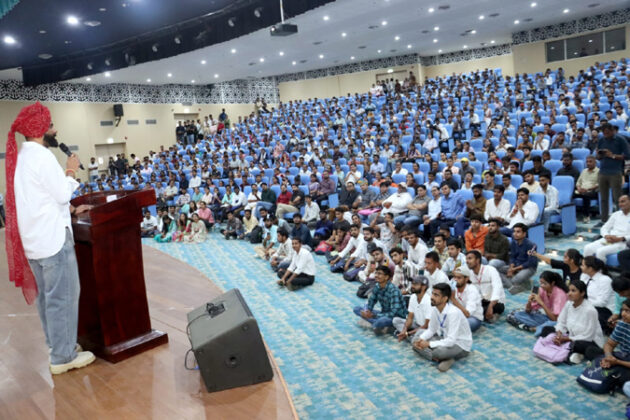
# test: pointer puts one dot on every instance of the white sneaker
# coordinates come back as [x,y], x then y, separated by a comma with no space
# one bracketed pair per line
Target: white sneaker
[83,359]
[576,358]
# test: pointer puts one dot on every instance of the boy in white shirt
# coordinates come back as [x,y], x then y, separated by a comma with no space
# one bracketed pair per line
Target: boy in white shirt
[467,298]
[301,271]
[419,311]
[448,336]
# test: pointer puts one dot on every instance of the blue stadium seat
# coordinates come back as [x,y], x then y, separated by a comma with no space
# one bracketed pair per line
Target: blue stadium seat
[536,232]
[567,217]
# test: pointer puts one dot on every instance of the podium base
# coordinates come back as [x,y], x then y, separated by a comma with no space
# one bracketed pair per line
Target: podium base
[126,349]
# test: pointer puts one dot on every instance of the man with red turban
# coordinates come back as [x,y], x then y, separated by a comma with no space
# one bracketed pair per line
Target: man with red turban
[39,242]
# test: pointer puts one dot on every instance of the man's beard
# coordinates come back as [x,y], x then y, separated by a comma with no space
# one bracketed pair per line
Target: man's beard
[50,140]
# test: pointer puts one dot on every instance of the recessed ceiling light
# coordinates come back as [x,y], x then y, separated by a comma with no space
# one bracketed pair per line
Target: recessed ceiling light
[352,58]
[45,56]
[88,79]
[343,34]
[41,31]
[565,11]
[102,9]
[378,51]
[326,18]
[216,76]
[192,81]
[431,10]
[481,17]
[474,31]
[436,28]
[435,40]
[72,20]
[262,59]
[390,70]
[294,63]
[534,4]
[396,38]
[67,42]
[169,75]
[233,50]
[321,56]
[384,23]
[107,74]
[8,39]
[492,42]
[92,23]
[408,46]
[516,22]
[203,61]
[465,46]
[590,40]
[148,80]
[439,51]
[281,53]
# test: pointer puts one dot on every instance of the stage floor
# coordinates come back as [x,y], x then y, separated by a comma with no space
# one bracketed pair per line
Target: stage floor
[153,385]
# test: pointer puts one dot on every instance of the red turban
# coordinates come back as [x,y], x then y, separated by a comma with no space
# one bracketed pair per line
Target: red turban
[32,121]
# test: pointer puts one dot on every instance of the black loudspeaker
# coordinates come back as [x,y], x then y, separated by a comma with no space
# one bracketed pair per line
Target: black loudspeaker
[118,110]
[227,344]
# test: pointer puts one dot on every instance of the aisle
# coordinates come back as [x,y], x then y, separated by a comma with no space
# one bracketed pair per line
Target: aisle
[334,369]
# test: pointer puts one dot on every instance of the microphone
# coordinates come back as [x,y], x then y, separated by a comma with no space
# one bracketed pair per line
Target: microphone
[67,151]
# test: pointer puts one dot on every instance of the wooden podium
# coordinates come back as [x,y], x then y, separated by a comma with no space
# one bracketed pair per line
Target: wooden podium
[114,318]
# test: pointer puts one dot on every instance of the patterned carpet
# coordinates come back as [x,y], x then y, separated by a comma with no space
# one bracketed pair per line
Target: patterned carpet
[337,370]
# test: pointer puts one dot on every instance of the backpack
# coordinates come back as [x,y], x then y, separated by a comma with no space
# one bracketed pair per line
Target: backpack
[256,235]
[365,289]
[546,350]
[599,380]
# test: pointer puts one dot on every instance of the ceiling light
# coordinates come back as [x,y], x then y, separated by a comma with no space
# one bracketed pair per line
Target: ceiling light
[187,110]
[216,76]
[41,31]
[203,61]
[465,46]
[192,81]
[154,47]
[384,23]
[148,80]
[474,31]
[534,4]
[378,51]
[516,22]
[321,56]
[565,11]
[67,42]
[45,56]
[390,70]
[107,74]
[110,140]
[258,12]
[72,20]
[439,51]
[8,39]
[492,42]
[436,28]
[92,23]
[408,46]
[178,39]
[343,34]
[431,10]
[352,58]
[231,22]
[233,50]
[262,59]
[294,63]
[481,17]
[326,17]
[90,65]
[108,61]
[88,79]
[590,40]
[281,53]
[102,9]
[435,40]
[169,75]
[396,38]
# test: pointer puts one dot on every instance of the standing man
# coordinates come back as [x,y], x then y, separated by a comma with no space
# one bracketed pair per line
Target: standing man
[93,168]
[39,243]
[612,151]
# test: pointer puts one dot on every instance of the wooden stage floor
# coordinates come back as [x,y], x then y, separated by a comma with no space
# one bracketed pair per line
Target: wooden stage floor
[152,385]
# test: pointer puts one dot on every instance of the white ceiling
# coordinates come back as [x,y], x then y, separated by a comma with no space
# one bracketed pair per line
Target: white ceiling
[362,21]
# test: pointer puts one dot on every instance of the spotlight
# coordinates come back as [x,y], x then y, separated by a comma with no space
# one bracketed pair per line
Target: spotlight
[108,61]
[155,47]
[107,74]
[8,39]
[169,75]
[72,20]
[231,22]
[178,39]
[258,12]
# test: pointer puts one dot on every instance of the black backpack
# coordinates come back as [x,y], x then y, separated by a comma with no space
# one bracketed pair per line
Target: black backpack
[365,289]
[256,235]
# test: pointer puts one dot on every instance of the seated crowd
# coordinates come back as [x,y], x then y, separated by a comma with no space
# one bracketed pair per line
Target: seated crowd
[424,196]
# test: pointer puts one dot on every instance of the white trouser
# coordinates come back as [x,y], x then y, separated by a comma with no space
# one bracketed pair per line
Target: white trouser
[601,250]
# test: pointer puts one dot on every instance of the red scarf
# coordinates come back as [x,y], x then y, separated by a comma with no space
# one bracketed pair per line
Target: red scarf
[32,121]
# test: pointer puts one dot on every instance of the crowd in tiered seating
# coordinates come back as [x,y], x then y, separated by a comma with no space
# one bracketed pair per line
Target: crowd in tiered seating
[435,198]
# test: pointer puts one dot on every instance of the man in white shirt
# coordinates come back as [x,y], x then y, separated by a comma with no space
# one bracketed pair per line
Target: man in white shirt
[281,258]
[467,298]
[455,257]
[432,269]
[551,198]
[397,202]
[239,201]
[252,198]
[615,232]
[301,271]
[195,180]
[38,210]
[448,336]
[419,311]
[356,243]
[148,226]
[498,207]
[487,280]
[416,252]
[93,168]
[524,211]
[311,212]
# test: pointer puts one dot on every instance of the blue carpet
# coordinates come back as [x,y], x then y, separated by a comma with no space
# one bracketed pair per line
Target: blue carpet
[337,370]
